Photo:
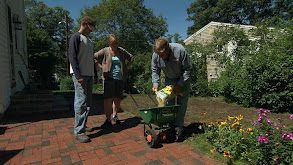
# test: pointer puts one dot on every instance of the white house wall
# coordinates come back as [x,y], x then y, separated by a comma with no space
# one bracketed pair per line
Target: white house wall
[20,54]
[205,36]
[6,90]
[4,60]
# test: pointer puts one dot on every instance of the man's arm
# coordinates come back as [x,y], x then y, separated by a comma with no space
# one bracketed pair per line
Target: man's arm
[156,70]
[73,50]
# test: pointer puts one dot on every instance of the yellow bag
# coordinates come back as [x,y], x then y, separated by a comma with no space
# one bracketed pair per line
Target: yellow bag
[164,95]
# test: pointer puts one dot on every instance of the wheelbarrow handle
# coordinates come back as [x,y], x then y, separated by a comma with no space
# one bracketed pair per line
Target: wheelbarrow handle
[141,89]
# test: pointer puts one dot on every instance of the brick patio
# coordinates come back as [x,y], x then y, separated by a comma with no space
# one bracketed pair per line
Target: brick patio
[48,139]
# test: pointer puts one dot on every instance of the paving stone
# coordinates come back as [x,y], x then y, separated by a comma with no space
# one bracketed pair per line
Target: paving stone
[51,141]
[156,162]
[66,160]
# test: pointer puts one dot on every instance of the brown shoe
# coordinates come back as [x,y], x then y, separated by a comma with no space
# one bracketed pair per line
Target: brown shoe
[82,138]
[89,129]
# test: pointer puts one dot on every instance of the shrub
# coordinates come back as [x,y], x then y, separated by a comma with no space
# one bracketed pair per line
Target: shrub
[66,83]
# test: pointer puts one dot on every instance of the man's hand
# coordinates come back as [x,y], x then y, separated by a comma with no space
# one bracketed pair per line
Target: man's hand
[80,80]
[177,89]
[155,88]
[96,80]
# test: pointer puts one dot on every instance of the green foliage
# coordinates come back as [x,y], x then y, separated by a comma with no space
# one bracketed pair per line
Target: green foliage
[199,82]
[66,83]
[140,73]
[46,41]
[202,12]
[98,88]
[267,142]
[262,74]
[135,26]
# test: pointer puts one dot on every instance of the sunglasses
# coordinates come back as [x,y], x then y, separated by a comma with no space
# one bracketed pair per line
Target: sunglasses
[92,24]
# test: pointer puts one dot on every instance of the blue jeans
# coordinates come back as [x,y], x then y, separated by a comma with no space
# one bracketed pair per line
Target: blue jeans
[82,103]
[181,101]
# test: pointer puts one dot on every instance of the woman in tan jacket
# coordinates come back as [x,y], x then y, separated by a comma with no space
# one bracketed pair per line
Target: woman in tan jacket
[112,60]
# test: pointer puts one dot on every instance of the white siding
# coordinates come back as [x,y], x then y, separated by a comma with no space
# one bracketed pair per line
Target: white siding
[4,58]
[205,35]
[20,55]
[17,7]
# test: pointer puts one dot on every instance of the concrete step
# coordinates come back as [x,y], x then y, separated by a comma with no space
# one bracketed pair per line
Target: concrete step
[37,103]
[32,96]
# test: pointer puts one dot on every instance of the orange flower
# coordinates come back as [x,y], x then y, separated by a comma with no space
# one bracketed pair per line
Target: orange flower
[204,113]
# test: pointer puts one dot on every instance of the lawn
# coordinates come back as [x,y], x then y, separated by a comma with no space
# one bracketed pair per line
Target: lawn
[214,108]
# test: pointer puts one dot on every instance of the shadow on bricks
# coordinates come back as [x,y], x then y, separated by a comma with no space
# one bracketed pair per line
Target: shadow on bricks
[193,128]
[7,155]
[125,124]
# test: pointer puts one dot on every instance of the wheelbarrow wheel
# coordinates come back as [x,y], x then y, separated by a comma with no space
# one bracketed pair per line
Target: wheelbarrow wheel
[151,138]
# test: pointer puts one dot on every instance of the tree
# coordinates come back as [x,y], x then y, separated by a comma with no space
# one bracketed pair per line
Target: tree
[135,26]
[46,40]
[201,12]
[176,37]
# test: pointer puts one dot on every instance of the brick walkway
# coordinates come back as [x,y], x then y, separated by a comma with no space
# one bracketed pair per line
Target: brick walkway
[50,140]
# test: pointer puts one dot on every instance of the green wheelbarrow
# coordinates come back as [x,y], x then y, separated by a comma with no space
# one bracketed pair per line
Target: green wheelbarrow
[157,122]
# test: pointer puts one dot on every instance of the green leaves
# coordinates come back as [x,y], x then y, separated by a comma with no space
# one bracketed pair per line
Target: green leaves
[201,12]
[46,41]
[135,26]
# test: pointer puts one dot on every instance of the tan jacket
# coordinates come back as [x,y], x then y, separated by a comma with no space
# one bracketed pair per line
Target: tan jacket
[106,58]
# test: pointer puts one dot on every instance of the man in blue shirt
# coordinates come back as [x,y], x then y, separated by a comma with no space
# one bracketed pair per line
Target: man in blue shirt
[173,59]
[82,69]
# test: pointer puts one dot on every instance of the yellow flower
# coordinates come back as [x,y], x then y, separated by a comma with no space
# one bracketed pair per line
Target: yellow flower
[210,125]
[204,113]
[227,154]
[245,153]
[199,127]
[222,123]
[249,130]
[235,124]
[231,117]
[236,142]
[243,138]
[241,130]
[240,117]
[213,150]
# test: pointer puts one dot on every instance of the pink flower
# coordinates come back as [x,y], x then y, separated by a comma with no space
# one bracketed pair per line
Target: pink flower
[263,139]
[259,119]
[276,160]
[259,111]
[277,144]
[289,135]
[267,111]
[269,121]
[291,116]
